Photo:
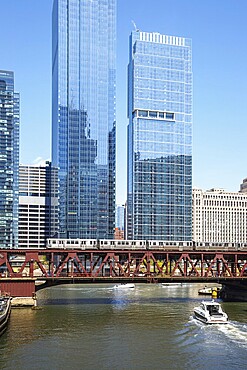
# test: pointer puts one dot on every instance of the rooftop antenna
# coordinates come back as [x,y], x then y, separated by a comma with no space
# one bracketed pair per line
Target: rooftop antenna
[136,29]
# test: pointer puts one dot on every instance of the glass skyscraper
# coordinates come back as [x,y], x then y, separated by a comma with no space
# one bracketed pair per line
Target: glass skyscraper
[83,122]
[9,160]
[159,137]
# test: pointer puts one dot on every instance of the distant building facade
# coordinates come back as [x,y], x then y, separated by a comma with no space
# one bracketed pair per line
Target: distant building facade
[219,216]
[119,234]
[159,137]
[243,186]
[120,217]
[83,117]
[9,160]
[38,205]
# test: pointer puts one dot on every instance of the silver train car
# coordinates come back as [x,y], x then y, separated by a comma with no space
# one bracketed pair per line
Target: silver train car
[155,245]
[103,244]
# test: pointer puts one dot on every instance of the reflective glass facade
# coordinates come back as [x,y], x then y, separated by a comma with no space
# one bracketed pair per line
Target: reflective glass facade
[9,160]
[159,137]
[83,127]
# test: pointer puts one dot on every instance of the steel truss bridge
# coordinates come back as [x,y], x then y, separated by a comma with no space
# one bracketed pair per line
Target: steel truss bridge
[93,265]
[22,270]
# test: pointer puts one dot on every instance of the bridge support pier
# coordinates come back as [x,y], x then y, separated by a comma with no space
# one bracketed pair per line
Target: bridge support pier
[22,291]
[234,292]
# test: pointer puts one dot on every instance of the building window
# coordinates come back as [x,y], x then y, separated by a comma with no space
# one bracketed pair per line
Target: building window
[170,116]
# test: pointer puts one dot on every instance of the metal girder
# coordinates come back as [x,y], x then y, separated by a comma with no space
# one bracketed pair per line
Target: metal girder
[121,264]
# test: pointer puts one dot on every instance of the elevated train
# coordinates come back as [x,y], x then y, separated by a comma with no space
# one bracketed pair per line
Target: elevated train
[103,244]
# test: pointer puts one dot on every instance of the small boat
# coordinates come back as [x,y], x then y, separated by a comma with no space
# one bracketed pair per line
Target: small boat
[5,308]
[205,291]
[171,284]
[124,286]
[213,292]
[210,312]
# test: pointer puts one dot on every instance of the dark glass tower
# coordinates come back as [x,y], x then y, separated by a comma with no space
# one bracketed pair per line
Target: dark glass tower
[83,122]
[159,137]
[9,160]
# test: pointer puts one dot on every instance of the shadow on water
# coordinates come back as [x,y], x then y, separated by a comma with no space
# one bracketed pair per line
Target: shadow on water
[110,301]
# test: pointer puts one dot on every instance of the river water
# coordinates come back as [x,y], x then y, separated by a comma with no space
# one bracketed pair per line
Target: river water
[98,327]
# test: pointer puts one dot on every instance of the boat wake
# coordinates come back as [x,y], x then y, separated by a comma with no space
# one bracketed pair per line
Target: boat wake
[235,331]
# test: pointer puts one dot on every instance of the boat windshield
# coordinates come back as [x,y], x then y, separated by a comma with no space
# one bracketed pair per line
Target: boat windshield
[213,309]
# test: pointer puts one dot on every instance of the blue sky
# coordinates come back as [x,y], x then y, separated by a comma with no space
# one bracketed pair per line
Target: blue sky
[219,36]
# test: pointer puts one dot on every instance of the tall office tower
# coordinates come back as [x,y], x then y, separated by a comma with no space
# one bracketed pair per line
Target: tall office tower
[159,137]
[38,205]
[83,122]
[9,160]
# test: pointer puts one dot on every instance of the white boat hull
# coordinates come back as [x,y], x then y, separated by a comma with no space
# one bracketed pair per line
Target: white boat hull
[210,312]
[4,313]
[171,284]
[206,320]
[125,286]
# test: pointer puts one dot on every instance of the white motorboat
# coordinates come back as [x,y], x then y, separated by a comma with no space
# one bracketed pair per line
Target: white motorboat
[205,291]
[5,309]
[124,286]
[171,284]
[210,312]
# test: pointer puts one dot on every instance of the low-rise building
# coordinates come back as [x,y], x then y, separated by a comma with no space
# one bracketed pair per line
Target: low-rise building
[118,234]
[219,216]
